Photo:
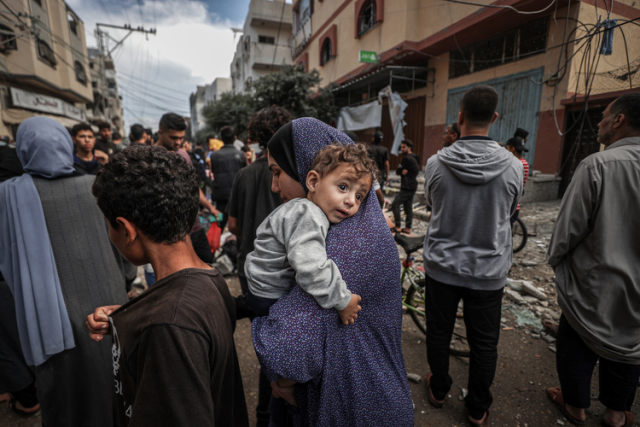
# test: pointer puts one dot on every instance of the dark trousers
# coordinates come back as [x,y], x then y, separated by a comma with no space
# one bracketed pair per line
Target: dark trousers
[221,205]
[405,199]
[201,246]
[15,376]
[482,311]
[575,363]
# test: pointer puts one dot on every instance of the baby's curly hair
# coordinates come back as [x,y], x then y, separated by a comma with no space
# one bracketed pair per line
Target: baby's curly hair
[153,188]
[330,157]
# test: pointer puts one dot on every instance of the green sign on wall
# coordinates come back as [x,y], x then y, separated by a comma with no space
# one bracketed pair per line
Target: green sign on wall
[367,56]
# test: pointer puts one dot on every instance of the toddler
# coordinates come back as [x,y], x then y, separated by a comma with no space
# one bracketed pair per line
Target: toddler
[290,243]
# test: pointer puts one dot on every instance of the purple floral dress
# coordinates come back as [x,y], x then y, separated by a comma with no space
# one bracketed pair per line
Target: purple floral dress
[349,375]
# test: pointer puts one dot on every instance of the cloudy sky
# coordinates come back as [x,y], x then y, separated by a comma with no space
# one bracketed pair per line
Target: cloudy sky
[193,45]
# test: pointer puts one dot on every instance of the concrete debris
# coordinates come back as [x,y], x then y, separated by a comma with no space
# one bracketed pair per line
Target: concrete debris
[532,290]
[549,339]
[515,296]
[553,348]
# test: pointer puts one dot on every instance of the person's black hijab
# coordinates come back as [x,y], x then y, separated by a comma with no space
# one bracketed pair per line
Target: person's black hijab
[281,148]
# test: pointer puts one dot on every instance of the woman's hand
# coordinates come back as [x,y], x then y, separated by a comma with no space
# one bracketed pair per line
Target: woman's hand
[284,389]
[98,322]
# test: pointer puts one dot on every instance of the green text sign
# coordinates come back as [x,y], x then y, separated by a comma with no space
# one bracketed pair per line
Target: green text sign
[367,56]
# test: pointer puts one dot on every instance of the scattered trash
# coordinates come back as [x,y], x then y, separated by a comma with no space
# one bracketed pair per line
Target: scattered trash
[464,394]
[415,378]
[507,329]
[560,422]
[537,355]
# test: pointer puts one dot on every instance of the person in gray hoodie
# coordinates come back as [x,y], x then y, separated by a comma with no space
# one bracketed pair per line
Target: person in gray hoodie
[473,187]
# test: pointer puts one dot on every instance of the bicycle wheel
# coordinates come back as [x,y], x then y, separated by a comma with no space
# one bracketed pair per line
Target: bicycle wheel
[415,299]
[518,235]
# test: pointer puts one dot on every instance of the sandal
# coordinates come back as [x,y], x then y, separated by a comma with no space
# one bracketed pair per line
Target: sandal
[483,422]
[21,413]
[555,395]
[432,400]
[404,231]
[628,420]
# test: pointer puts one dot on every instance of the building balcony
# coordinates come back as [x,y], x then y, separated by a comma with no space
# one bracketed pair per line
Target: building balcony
[262,56]
[270,14]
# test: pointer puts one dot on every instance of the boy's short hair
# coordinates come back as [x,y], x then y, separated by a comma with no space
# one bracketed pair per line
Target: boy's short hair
[245,149]
[136,132]
[104,125]
[171,121]
[151,187]
[407,143]
[80,127]
[330,157]
[116,136]
[228,135]
[479,104]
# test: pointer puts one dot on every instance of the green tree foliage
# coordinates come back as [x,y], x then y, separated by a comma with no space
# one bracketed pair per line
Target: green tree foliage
[291,88]
[231,109]
[297,91]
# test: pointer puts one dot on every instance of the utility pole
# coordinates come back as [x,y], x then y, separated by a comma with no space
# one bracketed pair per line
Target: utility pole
[103,36]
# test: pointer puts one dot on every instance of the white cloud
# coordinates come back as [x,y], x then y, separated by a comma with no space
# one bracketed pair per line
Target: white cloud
[191,47]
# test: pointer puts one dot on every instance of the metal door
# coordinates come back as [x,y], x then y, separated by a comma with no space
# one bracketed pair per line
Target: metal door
[519,106]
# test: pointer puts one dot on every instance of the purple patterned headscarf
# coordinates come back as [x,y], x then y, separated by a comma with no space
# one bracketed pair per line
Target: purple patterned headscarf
[348,375]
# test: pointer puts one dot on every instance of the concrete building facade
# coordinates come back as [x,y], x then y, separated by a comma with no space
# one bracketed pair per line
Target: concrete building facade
[107,102]
[43,63]
[216,89]
[263,47]
[535,53]
[196,104]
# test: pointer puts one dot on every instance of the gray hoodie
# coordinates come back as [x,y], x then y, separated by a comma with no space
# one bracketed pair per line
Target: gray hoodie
[473,188]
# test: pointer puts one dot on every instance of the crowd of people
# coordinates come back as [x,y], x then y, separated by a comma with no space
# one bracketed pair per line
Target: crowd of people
[318,266]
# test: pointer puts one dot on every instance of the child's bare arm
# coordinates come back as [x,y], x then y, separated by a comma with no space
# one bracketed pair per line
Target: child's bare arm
[349,314]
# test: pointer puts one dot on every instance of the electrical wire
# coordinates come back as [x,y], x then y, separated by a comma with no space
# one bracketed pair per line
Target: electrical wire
[502,6]
[275,49]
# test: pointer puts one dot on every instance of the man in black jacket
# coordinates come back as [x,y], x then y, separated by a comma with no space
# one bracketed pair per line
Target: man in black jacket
[408,170]
[225,164]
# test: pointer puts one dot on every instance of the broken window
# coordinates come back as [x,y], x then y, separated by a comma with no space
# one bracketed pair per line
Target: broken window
[529,39]
[81,76]
[367,17]
[326,54]
[73,24]
[46,53]
[7,39]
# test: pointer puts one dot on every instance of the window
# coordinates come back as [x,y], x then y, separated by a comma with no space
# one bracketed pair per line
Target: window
[7,39]
[527,40]
[267,40]
[38,2]
[91,65]
[326,53]
[46,53]
[73,23]
[94,85]
[367,17]
[81,76]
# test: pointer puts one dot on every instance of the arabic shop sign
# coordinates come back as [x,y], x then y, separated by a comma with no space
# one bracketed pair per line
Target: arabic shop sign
[46,104]
[368,56]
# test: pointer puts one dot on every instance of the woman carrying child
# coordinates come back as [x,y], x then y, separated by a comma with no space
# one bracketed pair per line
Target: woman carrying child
[346,375]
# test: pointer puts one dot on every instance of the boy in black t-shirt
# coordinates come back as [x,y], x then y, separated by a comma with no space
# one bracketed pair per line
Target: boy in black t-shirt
[408,171]
[174,358]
